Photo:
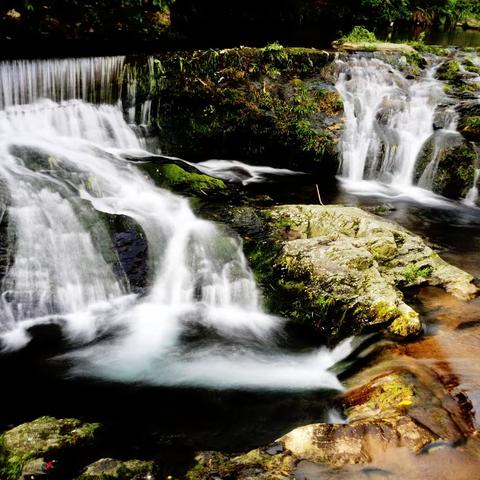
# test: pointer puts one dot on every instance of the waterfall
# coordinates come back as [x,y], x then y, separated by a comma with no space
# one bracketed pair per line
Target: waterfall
[62,166]
[94,80]
[472,195]
[387,121]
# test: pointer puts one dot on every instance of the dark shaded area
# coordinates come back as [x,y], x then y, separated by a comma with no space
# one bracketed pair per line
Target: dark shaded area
[141,421]
[45,28]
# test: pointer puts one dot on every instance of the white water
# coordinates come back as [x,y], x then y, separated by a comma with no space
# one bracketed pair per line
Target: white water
[235,171]
[471,199]
[388,119]
[95,79]
[200,322]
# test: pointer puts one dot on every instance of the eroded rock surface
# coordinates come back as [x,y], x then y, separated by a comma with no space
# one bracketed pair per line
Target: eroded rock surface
[394,410]
[342,269]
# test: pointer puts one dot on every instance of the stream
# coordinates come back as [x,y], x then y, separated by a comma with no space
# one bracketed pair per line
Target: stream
[193,361]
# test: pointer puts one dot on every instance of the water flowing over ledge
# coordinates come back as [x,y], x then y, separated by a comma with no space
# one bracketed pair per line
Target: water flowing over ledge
[61,168]
[388,121]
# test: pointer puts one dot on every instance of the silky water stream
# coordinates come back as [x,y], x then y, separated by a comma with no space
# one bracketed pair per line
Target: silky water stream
[190,361]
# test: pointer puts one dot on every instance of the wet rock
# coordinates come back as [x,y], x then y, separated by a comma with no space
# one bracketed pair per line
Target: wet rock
[449,70]
[180,180]
[131,246]
[469,124]
[341,270]
[25,446]
[34,469]
[110,468]
[446,165]
[395,409]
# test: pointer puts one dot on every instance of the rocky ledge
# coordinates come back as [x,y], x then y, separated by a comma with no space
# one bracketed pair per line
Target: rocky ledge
[342,270]
[395,409]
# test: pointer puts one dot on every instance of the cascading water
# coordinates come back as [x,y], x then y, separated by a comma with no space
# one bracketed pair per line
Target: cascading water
[472,195]
[388,119]
[200,322]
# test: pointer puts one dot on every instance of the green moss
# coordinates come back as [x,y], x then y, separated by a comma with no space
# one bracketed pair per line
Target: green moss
[471,67]
[329,102]
[415,273]
[176,178]
[43,436]
[214,463]
[392,393]
[385,312]
[472,122]
[406,324]
[422,47]
[449,70]
[11,465]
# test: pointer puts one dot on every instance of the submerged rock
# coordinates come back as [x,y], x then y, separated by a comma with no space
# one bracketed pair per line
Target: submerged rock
[110,468]
[341,270]
[25,448]
[393,410]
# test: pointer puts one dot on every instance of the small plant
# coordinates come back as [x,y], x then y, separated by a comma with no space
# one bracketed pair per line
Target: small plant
[473,122]
[275,53]
[359,35]
[413,273]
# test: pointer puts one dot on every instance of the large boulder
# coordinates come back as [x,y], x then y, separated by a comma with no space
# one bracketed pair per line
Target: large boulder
[342,270]
[30,446]
[446,165]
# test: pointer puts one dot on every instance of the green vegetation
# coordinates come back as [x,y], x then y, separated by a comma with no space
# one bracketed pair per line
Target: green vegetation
[359,34]
[421,12]
[472,122]
[173,177]
[146,20]
[415,274]
[251,101]
[11,465]
[76,19]
[43,436]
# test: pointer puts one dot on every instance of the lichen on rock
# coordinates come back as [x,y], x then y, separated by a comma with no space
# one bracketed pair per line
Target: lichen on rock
[342,270]
[392,410]
[111,469]
[41,438]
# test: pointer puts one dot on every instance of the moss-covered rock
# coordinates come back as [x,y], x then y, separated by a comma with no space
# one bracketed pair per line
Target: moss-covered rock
[469,127]
[449,70]
[469,123]
[113,469]
[43,438]
[341,270]
[177,179]
[459,75]
[446,165]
